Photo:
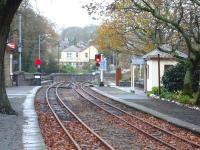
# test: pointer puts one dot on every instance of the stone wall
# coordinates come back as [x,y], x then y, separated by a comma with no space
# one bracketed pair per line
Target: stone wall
[56,77]
[23,79]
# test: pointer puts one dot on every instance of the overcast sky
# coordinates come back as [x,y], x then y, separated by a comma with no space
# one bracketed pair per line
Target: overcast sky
[64,13]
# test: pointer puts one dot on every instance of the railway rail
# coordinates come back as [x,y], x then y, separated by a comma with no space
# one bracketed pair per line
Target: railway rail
[82,137]
[163,136]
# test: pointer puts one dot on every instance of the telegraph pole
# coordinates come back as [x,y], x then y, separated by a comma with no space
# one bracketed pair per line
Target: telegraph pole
[39,47]
[58,57]
[20,42]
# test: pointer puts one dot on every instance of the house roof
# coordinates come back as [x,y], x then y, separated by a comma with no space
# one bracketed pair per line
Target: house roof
[72,48]
[155,52]
[138,60]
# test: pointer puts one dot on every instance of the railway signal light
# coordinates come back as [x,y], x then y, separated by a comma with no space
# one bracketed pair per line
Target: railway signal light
[37,61]
[98,59]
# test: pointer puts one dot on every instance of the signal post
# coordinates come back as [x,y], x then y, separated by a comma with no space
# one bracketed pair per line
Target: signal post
[99,62]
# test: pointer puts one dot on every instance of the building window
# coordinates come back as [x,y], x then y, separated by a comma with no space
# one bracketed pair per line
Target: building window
[69,55]
[76,55]
[166,67]
[86,55]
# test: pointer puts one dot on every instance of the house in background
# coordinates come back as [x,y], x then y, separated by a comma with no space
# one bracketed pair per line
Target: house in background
[77,57]
[151,70]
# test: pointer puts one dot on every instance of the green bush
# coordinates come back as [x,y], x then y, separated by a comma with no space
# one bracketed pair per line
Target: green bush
[154,90]
[173,78]
[167,95]
[185,99]
[68,69]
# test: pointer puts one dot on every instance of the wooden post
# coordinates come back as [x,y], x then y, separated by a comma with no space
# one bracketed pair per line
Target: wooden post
[118,76]
[132,78]
[159,74]
[145,78]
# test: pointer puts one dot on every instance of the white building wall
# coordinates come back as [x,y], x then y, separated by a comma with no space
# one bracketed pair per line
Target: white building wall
[150,75]
[152,81]
[64,57]
[91,51]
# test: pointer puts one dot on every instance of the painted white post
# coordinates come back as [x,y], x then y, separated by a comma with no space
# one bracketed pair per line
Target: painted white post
[132,78]
[11,67]
[145,78]
[101,77]
[101,73]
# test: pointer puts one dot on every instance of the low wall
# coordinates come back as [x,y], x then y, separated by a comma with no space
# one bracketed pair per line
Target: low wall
[23,79]
[125,83]
[57,77]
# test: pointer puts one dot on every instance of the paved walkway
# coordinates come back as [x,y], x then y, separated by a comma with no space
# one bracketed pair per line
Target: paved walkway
[176,114]
[31,136]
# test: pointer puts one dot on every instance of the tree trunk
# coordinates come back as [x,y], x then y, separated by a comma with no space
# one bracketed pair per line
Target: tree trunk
[7,11]
[198,97]
[5,106]
[188,81]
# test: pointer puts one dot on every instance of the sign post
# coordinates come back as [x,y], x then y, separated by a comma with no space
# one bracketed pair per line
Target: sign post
[103,66]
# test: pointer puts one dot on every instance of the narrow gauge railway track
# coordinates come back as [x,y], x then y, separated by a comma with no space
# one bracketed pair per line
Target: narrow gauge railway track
[81,136]
[160,123]
[105,125]
[163,136]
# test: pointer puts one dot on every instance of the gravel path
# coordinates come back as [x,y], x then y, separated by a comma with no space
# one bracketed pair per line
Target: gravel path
[11,127]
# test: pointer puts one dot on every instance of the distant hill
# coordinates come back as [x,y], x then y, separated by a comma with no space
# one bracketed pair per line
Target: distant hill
[77,36]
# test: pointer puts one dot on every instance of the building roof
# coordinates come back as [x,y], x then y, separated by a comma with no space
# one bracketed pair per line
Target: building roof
[138,60]
[155,52]
[72,48]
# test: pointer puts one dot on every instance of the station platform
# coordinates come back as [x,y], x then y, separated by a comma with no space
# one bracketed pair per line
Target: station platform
[177,114]
[21,131]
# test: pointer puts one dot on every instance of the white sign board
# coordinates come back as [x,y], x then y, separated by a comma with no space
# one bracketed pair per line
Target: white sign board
[103,64]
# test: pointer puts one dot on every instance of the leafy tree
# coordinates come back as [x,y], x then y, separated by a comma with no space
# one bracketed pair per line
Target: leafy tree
[34,25]
[176,23]
[75,35]
[7,11]
[109,37]
[49,64]
[68,69]
[117,35]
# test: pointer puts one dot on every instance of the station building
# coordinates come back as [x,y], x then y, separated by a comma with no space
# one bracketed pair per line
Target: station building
[150,66]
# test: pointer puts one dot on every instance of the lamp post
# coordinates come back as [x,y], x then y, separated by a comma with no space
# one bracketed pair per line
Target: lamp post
[39,46]
[198,95]
[58,58]
[159,75]
[20,43]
